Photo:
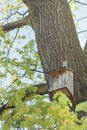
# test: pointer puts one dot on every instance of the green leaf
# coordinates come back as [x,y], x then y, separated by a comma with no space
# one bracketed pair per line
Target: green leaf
[5,127]
[2,34]
[82,107]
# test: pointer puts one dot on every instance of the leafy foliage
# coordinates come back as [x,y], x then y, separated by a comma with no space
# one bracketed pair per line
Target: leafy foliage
[82,107]
[38,112]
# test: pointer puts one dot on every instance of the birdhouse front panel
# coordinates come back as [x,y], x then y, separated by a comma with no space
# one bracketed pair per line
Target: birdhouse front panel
[55,82]
[60,80]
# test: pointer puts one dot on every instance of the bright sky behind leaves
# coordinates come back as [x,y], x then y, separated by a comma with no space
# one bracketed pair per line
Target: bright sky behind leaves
[82,25]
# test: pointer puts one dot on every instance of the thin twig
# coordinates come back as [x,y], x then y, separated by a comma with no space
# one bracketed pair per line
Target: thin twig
[82,31]
[76,1]
[13,82]
[81,18]
[38,71]
[8,51]
[15,36]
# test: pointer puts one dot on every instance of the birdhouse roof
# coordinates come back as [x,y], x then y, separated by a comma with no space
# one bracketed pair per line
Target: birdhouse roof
[64,90]
[60,71]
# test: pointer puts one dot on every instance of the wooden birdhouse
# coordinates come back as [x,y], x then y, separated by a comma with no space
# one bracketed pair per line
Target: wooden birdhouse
[61,80]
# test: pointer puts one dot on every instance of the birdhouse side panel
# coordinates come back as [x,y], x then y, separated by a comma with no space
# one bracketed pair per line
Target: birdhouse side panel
[68,80]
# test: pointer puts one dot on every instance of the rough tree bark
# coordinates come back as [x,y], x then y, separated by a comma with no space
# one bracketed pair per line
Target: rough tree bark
[57,41]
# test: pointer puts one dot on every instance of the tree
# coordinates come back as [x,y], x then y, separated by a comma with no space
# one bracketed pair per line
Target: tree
[57,42]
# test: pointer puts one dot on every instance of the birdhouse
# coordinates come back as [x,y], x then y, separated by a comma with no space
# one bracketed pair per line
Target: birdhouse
[61,80]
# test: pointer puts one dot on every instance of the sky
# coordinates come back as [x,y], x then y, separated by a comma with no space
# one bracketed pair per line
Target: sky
[82,24]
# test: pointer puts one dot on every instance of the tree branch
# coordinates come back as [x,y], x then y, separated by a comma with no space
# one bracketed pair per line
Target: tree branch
[81,18]
[41,89]
[82,3]
[82,31]
[81,114]
[16,24]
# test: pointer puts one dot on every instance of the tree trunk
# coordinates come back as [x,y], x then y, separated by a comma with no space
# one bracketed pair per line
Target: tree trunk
[57,41]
